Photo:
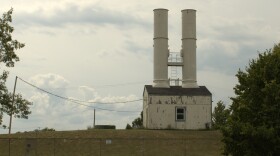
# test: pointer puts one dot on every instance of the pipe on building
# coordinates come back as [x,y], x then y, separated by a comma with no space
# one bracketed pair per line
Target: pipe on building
[189,48]
[161,51]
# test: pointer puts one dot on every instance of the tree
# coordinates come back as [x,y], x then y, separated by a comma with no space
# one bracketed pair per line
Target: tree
[20,108]
[220,115]
[128,126]
[253,127]
[138,122]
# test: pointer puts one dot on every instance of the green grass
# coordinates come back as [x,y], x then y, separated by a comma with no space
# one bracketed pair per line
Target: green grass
[124,143]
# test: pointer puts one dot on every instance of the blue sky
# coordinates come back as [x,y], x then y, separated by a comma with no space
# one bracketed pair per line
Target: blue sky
[102,51]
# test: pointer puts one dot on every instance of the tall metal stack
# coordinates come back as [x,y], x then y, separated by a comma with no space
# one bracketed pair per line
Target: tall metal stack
[161,48]
[161,51]
[189,48]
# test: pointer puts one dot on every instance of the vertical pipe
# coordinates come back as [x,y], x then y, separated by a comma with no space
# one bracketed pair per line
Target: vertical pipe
[189,48]
[161,48]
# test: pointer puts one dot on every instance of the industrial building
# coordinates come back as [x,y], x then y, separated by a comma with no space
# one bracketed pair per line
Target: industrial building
[185,104]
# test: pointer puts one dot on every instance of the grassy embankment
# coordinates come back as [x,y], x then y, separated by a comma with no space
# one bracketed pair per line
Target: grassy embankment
[123,143]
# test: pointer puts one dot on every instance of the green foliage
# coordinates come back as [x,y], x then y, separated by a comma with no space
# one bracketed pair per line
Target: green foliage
[220,115]
[138,122]
[7,44]
[90,127]
[46,129]
[128,126]
[20,109]
[253,127]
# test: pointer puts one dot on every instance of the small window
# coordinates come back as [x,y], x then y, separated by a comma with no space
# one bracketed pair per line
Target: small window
[180,113]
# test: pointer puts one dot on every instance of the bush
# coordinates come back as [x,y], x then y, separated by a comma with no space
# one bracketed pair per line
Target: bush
[128,126]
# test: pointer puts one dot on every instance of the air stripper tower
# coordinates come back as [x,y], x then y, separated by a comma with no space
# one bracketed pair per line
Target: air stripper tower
[184,105]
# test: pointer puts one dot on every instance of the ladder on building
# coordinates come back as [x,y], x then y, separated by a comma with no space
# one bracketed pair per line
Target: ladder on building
[174,60]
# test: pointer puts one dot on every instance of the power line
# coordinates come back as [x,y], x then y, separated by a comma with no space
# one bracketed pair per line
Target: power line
[112,110]
[66,98]
[101,86]
[121,84]
[79,101]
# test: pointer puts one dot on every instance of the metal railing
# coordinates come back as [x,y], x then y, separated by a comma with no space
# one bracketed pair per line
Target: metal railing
[174,57]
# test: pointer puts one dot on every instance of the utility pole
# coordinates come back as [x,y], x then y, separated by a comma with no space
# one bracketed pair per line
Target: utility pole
[11,115]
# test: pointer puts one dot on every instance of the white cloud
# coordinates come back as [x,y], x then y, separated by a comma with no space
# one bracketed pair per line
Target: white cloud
[41,103]
[73,13]
[49,80]
[87,92]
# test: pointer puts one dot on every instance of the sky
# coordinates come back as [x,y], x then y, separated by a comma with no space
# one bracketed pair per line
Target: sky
[102,51]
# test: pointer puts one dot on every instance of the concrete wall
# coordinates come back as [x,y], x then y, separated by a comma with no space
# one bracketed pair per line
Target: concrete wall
[145,109]
[159,112]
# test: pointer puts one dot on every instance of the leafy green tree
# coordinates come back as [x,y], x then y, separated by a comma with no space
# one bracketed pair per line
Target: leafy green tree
[138,122]
[220,115]
[128,126]
[253,127]
[8,57]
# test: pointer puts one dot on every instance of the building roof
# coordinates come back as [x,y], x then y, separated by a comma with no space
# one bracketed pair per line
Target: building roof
[178,90]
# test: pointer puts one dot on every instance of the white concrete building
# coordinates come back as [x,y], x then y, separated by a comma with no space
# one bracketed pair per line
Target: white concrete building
[176,107]
[188,106]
